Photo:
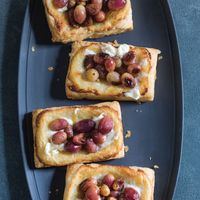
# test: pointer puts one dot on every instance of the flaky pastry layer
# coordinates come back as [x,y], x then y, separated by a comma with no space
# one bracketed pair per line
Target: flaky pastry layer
[116,22]
[78,87]
[42,118]
[144,178]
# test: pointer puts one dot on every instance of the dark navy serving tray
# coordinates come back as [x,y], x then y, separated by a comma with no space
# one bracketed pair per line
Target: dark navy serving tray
[156,126]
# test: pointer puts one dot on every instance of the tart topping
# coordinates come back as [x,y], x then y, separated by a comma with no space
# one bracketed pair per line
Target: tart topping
[59,137]
[60,3]
[58,124]
[114,189]
[85,13]
[118,66]
[128,80]
[116,4]
[88,134]
[79,14]
[92,74]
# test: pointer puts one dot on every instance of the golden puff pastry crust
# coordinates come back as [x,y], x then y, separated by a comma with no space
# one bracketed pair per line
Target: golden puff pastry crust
[44,157]
[116,22]
[143,178]
[78,87]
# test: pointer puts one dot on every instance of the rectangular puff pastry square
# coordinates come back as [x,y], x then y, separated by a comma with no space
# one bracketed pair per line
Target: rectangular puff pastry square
[116,22]
[141,179]
[78,87]
[47,154]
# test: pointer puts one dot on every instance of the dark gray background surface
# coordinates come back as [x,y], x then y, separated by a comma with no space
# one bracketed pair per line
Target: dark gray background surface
[187,21]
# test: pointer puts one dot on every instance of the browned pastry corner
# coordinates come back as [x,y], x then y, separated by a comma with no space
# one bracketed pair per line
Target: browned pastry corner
[142,72]
[82,179]
[77,134]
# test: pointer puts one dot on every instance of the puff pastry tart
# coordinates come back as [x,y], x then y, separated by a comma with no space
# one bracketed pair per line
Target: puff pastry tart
[111,71]
[77,134]
[97,182]
[75,20]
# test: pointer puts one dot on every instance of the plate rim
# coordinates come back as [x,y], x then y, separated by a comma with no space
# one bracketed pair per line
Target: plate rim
[179,108]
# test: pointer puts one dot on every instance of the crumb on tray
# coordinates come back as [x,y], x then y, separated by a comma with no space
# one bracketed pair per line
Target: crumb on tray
[128,134]
[126,148]
[156,167]
[50,68]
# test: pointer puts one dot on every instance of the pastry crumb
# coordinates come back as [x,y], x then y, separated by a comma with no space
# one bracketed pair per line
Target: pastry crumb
[160,57]
[140,111]
[49,192]
[156,167]
[50,68]
[150,158]
[33,49]
[128,134]
[57,190]
[137,110]
[126,148]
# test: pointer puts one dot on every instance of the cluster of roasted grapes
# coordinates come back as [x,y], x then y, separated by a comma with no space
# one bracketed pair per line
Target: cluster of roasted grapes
[82,135]
[109,188]
[86,12]
[113,69]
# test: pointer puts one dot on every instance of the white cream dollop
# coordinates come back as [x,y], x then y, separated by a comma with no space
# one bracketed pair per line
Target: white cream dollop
[133,93]
[62,9]
[89,52]
[109,49]
[51,148]
[122,50]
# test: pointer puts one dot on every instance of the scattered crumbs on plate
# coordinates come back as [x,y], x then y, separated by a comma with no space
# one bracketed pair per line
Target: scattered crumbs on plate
[160,57]
[150,158]
[33,49]
[50,68]
[156,167]
[128,134]
[126,148]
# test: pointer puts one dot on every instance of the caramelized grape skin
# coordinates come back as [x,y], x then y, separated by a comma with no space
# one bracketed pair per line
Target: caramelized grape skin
[69,131]
[129,58]
[108,180]
[110,64]
[128,80]
[59,137]
[98,138]
[116,4]
[93,9]
[92,193]
[134,68]
[87,184]
[100,17]
[73,148]
[84,126]
[102,71]
[90,146]
[79,139]
[131,194]
[60,3]
[113,77]
[79,14]
[105,125]
[58,124]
